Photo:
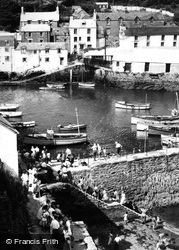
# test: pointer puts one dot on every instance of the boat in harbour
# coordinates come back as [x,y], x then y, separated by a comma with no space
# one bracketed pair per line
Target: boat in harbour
[11,114]
[170,140]
[132,106]
[86,84]
[158,129]
[55,139]
[8,107]
[23,124]
[71,128]
[56,86]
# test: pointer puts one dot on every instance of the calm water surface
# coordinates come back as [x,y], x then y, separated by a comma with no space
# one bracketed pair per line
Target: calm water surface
[96,108]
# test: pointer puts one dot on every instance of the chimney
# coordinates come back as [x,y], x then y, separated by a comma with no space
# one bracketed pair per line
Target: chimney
[94,15]
[22,10]
[57,9]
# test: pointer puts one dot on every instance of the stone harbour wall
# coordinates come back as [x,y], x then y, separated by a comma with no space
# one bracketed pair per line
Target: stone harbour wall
[150,181]
[145,81]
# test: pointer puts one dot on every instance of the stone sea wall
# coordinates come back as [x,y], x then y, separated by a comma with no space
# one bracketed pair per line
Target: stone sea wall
[149,181]
[145,81]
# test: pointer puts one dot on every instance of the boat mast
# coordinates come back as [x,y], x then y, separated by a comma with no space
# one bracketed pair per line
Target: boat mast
[77,120]
[177,101]
[146,98]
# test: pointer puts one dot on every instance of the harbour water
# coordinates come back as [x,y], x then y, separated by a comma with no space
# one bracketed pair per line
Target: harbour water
[96,108]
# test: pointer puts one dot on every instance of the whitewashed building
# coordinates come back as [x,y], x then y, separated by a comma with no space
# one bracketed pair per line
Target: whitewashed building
[8,145]
[149,60]
[82,34]
[47,57]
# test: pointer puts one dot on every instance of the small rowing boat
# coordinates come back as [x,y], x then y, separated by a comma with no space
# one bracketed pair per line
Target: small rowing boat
[71,128]
[23,124]
[10,114]
[86,84]
[56,86]
[132,106]
[55,139]
[8,107]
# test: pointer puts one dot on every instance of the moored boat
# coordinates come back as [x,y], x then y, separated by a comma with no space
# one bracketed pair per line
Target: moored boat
[23,124]
[86,84]
[8,107]
[71,127]
[56,86]
[170,140]
[132,106]
[55,139]
[10,114]
[164,130]
[154,119]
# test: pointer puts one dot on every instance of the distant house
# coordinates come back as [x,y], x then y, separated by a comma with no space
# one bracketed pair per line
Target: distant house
[102,5]
[7,45]
[47,21]
[39,56]
[8,145]
[82,34]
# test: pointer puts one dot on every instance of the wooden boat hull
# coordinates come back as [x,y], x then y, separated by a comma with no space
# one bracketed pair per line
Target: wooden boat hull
[57,140]
[73,128]
[10,114]
[132,106]
[9,107]
[23,124]
[152,120]
[86,85]
[166,130]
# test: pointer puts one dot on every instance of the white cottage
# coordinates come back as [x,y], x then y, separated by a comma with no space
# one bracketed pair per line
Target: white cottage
[8,145]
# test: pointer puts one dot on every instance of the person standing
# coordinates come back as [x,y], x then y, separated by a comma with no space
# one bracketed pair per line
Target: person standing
[94,148]
[126,218]
[118,147]
[110,238]
[117,240]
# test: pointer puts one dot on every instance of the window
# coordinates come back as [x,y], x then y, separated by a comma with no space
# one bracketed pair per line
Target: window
[151,19]
[61,60]
[28,21]
[127,67]
[135,45]
[6,42]
[80,38]
[89,46]
[175,37]
[88,38]
[136,38]
[30,34]
[47,59]
[75,31]
[75,39]
[163,37]
[88,31]
[146,69]
[35,51]
[167,67]
[41,33]
[47,50]
[120,20]
[30,40]
[108,21]
[23,50]
[117,64]
[24,59]
[148,41]
[174,44]
[7,58]
[41,40]
[39,21]
[59,51]
[75,46]
[162,44]
[136,19]
[6,49]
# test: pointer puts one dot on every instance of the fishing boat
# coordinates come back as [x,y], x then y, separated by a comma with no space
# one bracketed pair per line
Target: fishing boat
[170,139]
[158,129]
[10,114]
[132,106]
[56,86]
[71,127]
[154,119]
[8,107]
[23,124]
[86,84]
[55,139]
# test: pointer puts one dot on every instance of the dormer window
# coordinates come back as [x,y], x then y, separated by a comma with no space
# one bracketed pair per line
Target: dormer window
[39,21]
[136,19]
[108,20]
[28,21]
[83,23]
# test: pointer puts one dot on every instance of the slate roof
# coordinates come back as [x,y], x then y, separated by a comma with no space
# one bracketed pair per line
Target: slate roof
[41,46]
[35,16]
[35,27]
[76,23]
[152,31]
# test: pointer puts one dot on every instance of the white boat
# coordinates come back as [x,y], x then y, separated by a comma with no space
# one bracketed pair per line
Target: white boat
[23,124]
[56,86]
[10,114]
[132,106]
[8,106]
[170,139]
[154,119]
[86,84]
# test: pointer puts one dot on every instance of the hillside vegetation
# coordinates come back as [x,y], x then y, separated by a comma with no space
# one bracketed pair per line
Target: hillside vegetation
[10,10]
